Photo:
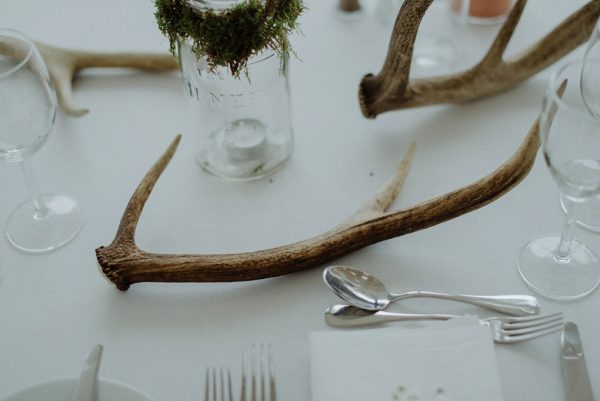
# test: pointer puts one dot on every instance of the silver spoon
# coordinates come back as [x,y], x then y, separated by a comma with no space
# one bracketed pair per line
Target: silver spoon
[86,387]
[367,292]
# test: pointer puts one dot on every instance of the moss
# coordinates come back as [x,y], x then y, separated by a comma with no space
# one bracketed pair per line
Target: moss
[229,38]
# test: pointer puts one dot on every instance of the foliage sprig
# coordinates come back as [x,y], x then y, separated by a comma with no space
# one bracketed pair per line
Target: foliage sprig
[228,38]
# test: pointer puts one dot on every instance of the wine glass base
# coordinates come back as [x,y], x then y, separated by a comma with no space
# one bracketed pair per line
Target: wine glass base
[35,232]
[560,279]
[588,212]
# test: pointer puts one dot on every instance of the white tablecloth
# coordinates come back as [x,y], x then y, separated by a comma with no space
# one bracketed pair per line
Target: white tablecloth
[160,337]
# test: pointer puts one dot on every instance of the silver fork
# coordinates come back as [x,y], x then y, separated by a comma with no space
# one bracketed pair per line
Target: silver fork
[510,330]
[218,385]
[258,379]
[506,330]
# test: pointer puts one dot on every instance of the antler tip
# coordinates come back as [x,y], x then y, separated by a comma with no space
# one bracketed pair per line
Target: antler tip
[76,112]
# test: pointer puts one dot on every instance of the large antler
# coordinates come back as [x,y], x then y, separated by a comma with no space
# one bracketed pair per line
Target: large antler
[65,64]
[124,263]
[392,89]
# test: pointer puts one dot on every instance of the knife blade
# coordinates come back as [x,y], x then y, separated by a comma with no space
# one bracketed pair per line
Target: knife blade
[573,363]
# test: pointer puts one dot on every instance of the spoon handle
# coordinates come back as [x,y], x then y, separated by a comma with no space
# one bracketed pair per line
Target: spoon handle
[516,305]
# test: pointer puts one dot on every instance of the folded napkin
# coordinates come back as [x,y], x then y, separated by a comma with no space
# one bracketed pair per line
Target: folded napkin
[426,361]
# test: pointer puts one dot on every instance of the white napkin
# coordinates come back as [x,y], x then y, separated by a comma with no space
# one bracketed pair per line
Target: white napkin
[432,361]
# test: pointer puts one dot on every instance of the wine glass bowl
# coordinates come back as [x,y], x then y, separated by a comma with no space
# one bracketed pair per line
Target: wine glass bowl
[559,266]
[590,81]
[25,126]
[27,114]
[589,212]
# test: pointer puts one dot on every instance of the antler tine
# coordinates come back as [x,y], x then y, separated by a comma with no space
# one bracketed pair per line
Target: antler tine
[392,89]
[394,75]
[65,64]
[494,55]
[379,204]
[124,263]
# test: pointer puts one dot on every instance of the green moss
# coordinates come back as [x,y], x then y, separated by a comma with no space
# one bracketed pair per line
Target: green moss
[229,38]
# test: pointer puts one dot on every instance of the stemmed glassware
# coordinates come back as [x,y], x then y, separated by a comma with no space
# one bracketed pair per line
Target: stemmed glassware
[589,214]
[27,113]
[560,266]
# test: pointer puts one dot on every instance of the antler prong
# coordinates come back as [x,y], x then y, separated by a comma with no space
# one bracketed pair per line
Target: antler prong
[380,203]
[494,54]
[65,64]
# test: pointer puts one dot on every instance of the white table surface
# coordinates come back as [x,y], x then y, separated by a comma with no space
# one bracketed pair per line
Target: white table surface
[160,337]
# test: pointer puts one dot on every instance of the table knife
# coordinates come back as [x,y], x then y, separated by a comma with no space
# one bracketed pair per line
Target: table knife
[573,363]
[86,387]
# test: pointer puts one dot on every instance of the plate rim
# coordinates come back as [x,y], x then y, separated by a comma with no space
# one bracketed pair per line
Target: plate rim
[67,379]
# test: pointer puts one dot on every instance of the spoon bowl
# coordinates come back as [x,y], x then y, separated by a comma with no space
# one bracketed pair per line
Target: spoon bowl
[358,288]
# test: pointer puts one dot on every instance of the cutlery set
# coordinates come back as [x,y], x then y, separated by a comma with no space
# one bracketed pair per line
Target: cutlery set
[367,298]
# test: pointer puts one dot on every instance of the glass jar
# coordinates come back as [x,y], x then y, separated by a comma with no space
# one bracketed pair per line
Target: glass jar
[245,121]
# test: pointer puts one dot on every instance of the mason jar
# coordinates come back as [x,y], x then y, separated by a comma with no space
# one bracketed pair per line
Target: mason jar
[244,121]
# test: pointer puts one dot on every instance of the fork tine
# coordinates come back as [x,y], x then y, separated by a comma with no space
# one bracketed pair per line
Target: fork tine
[244,375]
[272,389]
[532,329]
[214,384]
[261,356]
[221,385]
[519,319]
[540,320]
[534,334]
[253,370]
[229,388]
[207,385]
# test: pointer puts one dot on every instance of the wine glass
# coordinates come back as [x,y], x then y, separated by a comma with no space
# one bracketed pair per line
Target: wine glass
[589,214]
[27,112]
[560,266]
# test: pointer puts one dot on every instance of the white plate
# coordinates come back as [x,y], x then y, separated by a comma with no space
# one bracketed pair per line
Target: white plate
[62,389]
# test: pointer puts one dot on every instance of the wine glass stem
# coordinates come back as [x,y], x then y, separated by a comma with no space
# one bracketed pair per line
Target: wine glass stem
[563,253]
[34,189]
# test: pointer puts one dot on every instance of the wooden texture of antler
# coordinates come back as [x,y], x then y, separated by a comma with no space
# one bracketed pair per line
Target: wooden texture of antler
[123,263]
[65,64]
[393,89]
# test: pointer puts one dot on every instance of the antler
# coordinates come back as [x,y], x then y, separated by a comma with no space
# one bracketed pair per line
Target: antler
[64,65]
[123,263]
[392,89]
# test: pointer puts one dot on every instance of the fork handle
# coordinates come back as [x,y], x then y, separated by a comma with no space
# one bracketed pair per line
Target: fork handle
[516,305]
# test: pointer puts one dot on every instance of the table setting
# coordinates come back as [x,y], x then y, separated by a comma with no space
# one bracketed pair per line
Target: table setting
[298,199]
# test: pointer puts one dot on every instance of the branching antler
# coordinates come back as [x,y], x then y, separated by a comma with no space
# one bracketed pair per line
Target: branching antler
[124,263]
[64,65]
[393,89]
